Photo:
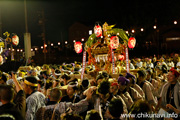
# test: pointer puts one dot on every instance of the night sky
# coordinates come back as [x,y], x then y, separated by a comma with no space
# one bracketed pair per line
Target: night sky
[60,15]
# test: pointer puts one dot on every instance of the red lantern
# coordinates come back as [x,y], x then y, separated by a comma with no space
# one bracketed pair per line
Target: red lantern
[131,42]
[15,40]
[121,57]
[98,31]
[114,43]
[78,47]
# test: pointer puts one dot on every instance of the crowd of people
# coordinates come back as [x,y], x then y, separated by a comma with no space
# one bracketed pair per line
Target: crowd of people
[56,92]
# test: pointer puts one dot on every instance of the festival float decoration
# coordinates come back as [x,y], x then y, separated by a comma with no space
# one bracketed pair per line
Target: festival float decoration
[78,47]
[131,42]
[107,45]
[11,40]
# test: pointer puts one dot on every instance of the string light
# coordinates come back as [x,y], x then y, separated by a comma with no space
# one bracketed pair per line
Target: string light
[175,22]
[66,42]
[41,47]
[133,31]
[142,29]
[154,27]
[52,44]
[59,43]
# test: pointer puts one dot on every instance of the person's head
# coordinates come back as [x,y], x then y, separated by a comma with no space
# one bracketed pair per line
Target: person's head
[123,82]
[149,60]
[115,108]
[30,84]
[44,73]
[161,59]
[92,115]
[99,79]
[55,94]
[172,76]
[164,69]
[103,89]
[34,72]
[57,72]
[131,78]
[85,83]
[45,67]
[141,75]
[114,88]
[64,78]
[149,73]
[6,93]
[72,87]
[141,107]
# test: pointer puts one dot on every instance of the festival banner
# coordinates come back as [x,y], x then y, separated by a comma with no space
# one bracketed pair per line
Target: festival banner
[127,59]
[83,65]
[113,62]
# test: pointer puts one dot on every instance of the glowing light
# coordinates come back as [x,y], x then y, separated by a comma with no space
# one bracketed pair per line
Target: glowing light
[90,32]
[98,30]
[82,39]
[59,43]
[52,44]
[31,49]
[127,32]
[17,50]
[142,29]
[133,31]
[175,22]
[36,49]
[66,42]
[131,42]
[45,45]
[78,47]
[114,42]
[154,26]
[41,47]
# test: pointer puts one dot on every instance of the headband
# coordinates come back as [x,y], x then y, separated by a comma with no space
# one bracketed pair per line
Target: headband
[31,84]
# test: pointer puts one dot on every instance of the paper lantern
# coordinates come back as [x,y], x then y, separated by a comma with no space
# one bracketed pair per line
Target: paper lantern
[78,47]
[131,42]
[114,42]
[15,40]
[121,57]
[98,31]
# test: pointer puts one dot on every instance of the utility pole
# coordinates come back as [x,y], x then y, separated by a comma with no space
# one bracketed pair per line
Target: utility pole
[27,36]
[43,35]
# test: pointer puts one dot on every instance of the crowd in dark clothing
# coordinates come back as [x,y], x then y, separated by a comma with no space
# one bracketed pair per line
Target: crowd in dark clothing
[56,92]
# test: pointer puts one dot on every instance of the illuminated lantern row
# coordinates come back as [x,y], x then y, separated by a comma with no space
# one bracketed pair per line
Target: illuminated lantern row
[98,31]
[114,42]
[131,42]
[78,47]
[15,40]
